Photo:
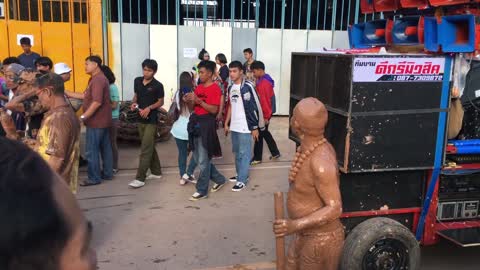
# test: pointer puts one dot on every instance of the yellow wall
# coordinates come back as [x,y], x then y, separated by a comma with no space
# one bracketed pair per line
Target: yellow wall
[57,44]
[96,30]
[4,50]
[26,28]
[81,50]
[61,41]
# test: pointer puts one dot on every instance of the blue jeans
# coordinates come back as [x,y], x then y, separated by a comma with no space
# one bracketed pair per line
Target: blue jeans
[98,143]
[182,146]
[207,169]
[242,148]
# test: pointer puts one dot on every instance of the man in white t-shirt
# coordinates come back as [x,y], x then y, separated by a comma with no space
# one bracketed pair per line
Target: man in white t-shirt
[244,120]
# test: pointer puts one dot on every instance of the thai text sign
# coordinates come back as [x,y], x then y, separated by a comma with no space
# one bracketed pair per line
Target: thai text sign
[398,69]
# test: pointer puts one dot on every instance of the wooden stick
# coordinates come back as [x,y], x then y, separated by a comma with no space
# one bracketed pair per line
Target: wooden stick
[280,241]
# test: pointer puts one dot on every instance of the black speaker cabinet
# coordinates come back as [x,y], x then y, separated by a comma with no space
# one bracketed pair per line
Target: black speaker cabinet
[383,109]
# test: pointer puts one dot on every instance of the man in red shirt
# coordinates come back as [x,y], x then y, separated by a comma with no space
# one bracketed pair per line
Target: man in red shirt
[266,94]
[202,131]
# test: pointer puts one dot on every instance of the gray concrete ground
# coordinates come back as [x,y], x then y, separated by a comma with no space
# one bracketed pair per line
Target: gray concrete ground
[156,227]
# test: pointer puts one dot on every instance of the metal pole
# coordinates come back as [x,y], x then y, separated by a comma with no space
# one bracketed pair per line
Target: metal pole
[120,22]
[291,16]
[341,16]
[232,13]
[299,13]
[325,16]
[138,13]
[149,12]
[105,32]
[177,12]
[282,22]
[241,13]
[318,14]
[186,17]
[357,10]
[167,11]
[257,13]
[349,9]
[309,10]
[334,15]
[204,13]
[266,13]
[274,14]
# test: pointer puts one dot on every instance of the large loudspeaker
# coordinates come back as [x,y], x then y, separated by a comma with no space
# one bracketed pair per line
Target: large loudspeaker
[420,4]
[455,33]
[376,122]
[366,35]
[437,3]
[386,5]
[366,6]
[408,31]
[431,34]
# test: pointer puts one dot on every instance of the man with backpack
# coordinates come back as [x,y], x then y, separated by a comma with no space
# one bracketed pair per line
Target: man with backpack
[264,86]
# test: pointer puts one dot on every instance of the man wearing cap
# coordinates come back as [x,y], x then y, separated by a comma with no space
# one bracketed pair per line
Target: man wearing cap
[13,79]
[58,140]
[63,70]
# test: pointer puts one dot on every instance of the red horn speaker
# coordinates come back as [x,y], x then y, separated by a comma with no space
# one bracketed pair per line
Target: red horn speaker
[366,6]
[420,4]
[437,3]
[386,5]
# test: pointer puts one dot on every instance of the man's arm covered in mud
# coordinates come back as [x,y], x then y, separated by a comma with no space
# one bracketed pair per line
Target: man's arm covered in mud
[326,185]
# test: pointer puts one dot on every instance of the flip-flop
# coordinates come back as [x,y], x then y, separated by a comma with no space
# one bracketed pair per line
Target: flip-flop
[88,183]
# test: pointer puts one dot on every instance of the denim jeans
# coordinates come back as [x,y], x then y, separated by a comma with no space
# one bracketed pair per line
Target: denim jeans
[242,149]
[182,146]
[207,169]
[98,143]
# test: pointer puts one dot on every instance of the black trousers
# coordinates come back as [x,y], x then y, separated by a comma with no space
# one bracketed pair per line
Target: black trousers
[258,147]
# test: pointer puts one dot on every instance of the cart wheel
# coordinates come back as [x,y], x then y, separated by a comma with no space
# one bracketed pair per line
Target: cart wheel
[380,244]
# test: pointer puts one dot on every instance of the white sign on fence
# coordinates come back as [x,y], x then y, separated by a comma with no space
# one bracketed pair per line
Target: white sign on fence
[190,52]
[20,36]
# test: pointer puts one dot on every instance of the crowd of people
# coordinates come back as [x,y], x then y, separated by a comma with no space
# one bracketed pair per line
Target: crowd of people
[236,97]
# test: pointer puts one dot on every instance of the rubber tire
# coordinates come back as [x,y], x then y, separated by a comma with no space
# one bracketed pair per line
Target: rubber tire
[364,235]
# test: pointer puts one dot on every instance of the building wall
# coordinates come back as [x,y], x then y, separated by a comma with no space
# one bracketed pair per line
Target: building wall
[70,34]
[177,30]
[166,44]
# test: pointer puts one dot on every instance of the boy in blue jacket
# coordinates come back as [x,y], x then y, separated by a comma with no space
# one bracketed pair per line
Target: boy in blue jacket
[245,120]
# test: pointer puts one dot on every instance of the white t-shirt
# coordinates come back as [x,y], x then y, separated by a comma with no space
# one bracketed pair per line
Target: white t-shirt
[238,122]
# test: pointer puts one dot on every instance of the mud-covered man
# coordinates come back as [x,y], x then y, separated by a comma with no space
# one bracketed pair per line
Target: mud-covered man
[314,203]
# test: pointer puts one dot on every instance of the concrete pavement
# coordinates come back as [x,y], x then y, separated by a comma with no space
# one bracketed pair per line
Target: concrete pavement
[156,227]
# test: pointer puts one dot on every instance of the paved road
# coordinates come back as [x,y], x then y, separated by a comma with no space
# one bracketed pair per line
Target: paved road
[156,227]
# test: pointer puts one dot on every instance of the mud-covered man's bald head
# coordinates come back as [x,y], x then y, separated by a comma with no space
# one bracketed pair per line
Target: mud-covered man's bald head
[310,116]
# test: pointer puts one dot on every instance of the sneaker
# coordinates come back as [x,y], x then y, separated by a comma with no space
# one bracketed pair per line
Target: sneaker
[153,176]
[239,186]
[255,162]
[189,178]
[115,171]
[233,179]
[183,182]
[216,187]
[275,157]
[136,184]
[197,196]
